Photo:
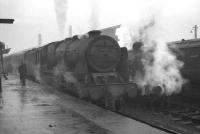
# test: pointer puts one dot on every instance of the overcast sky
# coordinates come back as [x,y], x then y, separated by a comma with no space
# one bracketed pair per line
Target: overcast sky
[174,18]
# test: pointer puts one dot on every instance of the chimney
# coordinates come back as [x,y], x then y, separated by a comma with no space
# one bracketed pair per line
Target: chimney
[94,33]
[39,39]
[75,37]
[70,30]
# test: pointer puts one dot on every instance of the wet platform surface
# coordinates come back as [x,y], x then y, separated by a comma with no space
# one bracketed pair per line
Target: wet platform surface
[39,109]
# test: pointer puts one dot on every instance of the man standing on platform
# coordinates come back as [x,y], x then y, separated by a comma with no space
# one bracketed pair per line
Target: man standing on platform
[22,73]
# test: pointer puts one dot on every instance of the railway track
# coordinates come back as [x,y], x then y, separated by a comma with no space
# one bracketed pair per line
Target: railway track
[184,114]
[175,118]
[161,127]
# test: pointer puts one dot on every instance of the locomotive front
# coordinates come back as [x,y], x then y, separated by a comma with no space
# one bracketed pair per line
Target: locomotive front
[103,54]
[100,67]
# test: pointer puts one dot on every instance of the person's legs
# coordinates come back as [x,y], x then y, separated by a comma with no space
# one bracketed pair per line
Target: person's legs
[23,81]
[20,79]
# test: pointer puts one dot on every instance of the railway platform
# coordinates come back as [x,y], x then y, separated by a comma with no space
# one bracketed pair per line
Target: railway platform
[39,109]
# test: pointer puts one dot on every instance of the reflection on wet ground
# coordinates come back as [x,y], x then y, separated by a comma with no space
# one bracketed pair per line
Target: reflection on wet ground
[38,109]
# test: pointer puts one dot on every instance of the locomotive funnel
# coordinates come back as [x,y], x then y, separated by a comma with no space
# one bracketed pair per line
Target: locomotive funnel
[94,33]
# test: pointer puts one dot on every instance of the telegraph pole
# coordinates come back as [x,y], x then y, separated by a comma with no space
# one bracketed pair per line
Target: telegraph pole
[3,51]
[195,31]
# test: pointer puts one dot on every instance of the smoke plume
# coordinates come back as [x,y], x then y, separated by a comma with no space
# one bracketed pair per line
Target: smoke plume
[160,66]
[61,14]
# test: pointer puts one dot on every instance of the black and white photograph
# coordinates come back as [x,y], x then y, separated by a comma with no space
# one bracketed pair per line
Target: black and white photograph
[99,67]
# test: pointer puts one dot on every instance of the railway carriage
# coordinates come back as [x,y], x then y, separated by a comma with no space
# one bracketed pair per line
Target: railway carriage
[188,51]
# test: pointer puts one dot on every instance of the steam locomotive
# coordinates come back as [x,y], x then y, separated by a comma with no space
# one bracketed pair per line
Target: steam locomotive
[92,67]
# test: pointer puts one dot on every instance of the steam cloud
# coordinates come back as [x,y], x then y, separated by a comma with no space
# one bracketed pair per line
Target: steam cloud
[160,66]
[61,14]
[94,15]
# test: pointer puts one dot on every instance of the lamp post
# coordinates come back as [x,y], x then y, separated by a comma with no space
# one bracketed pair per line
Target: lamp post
[3,51]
